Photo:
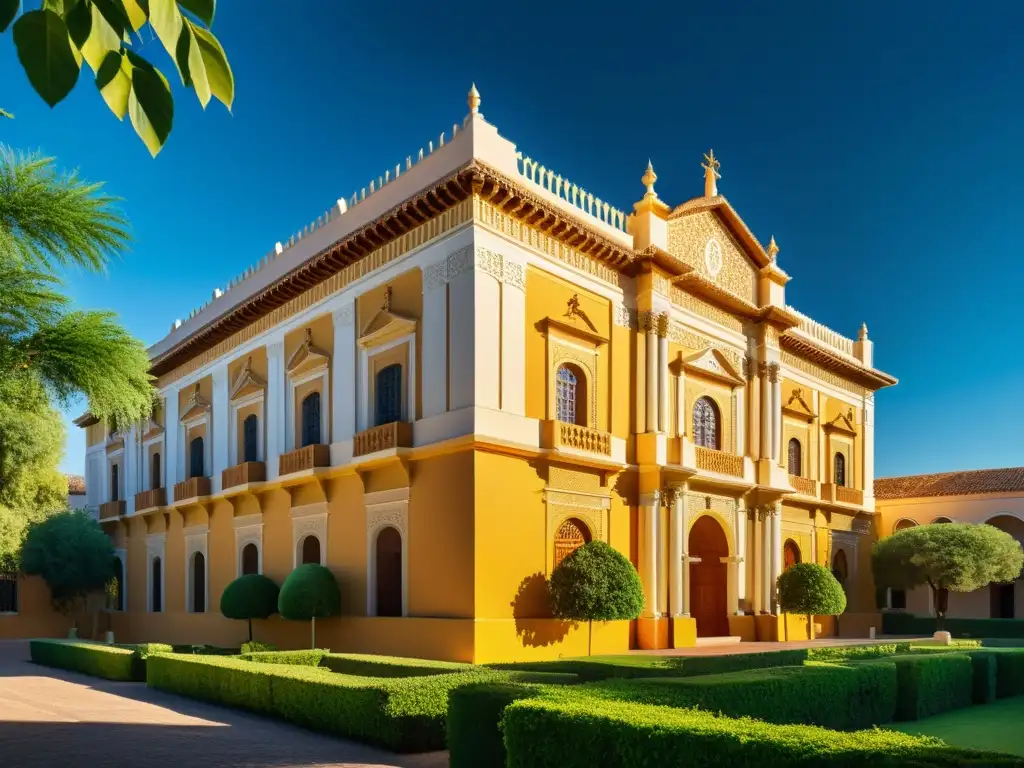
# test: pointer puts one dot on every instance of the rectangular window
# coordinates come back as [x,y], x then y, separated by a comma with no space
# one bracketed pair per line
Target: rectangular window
[8,592]
[899,600]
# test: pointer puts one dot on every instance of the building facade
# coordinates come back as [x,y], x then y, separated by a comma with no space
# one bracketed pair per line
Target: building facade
[456,376]
[990,496]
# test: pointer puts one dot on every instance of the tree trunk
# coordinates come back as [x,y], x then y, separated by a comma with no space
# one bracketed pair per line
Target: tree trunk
[941,606]
[250,629]
[313,631]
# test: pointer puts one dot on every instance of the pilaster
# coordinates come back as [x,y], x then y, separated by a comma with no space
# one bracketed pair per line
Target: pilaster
[663,323]
[513,335]
[276,418]
[461,345]
[343,373]
[650,505]
[651,372]
[219,424]
[172,429]
[435,338]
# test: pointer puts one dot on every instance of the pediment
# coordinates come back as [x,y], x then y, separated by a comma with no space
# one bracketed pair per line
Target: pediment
[798,407]
[247,382]
[196,406]
[714,242]
[711,362]
[385,326]
[308,356]
[152,429]
[843,423]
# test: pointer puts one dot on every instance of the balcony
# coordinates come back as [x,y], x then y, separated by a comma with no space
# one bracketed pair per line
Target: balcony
[150,499]
[842,494]
[804,485]
[111,510]
[573,437]
[191,488]
[304,458]
[710,460]
[397,434]
[244,473]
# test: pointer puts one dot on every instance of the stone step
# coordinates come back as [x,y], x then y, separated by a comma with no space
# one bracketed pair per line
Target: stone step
[730,640]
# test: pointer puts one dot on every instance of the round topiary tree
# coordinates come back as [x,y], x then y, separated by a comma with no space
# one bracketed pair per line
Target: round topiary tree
[253,596]
[811,589]
[309,593]
[596,583]
[960,557]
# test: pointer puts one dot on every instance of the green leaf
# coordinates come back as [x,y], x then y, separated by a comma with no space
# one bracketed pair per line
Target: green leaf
[166,20]
[201,9]
[103,39]
[137,13]
[190,63]
[150,106]
[114,79]
[116,16]
[79,21]
[44,49]
[218,71]
[8,10]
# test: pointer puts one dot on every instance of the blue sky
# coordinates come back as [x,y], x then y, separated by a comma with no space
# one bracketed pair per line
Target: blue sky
[879,143]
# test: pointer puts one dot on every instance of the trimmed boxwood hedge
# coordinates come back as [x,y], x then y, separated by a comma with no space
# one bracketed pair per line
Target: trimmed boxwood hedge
[401,714]
[1009,671]
[575,732]
[984,677]
[141,653]
[309,658]
[900,623]
[96,659]
[474,714]
[930,684]
[844,697]
[389,666]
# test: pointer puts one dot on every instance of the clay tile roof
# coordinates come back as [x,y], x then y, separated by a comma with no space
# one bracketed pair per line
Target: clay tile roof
[1007,480]
[76,484]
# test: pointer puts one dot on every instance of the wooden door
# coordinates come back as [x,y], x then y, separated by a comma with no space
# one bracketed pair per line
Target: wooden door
[708,578]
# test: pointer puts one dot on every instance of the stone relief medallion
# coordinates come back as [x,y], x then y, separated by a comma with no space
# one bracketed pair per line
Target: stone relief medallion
[713,257]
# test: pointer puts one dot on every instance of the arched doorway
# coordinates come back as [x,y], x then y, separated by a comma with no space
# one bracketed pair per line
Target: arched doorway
[311,550]
[571,535]
[708,587]
[790,554]
[389,572]
[1004,600]
[250,559]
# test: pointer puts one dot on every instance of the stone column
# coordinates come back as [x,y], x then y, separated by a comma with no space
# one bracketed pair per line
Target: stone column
[774,375]
[765,420]
[171,431]
[343,372]
[650,504]
[776,552]
[767,584]
[741,564]
[219,425]
[681,414]
[756,554]
[650,328]
[275,404]
[677,582]
[663,323]
[732,583]
[513,336]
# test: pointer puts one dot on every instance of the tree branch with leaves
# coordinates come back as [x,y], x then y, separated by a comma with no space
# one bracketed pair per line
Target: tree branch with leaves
[53,40]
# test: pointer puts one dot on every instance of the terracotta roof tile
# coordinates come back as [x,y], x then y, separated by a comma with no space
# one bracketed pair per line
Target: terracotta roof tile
[1007,480]
[76,484]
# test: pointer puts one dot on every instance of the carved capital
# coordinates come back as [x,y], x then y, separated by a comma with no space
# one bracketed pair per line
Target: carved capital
[663,324]
[762,369]
[773,372]
[650,323]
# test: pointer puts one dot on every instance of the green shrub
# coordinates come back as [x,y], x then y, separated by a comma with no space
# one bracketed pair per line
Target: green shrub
[572,731]
[204,650]
[900,623]
[310,658]
[143,651]
[254,646]
[253,596]
[474,715]
[930,684]
[96,659]
[846,697]
[404,715]
[309,593]
[1009,671]
[388,666]
[854,652]
[984,681]
[812,590]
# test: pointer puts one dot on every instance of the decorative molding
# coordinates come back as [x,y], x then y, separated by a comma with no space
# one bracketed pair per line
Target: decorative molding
[706,310]
[501,267]
[435,276]
[773,373]
[680,334]
[624,317]
[247,382]
[701,503]
[345,315]
[460,262]
[309,520]
[561,353]
[386,509]
[817,372]
[308,355]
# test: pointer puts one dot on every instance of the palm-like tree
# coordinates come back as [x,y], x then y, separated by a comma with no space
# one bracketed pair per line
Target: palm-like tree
[48,221]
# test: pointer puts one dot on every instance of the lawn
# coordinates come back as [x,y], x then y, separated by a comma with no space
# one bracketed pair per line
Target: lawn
[994,726]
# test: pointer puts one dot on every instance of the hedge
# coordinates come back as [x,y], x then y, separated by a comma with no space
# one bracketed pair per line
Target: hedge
[930,684]
[311,658]
[854,652]
[574,732]
[404,714]
[900,623]
[1009,671]
[474,714]
[140,655]
[96,659]
[984,684]
[389,666]
[834,696]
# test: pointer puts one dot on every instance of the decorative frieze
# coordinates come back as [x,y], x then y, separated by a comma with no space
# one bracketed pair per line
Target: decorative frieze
[816,371]
[625,317]
[683,336]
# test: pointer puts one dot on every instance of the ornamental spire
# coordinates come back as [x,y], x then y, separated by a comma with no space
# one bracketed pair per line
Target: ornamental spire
[773,250]
[473,100]
[863,334]
[648,180]
[711,174]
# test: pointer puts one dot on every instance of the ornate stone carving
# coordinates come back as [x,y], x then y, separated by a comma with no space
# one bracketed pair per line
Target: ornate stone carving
[435,276]
[690,240]
[513,273]
[460,262]
[489,262]
[663,324]
[700,307]
[683,336]
[624,317]
[725,507]
[390,513]
[817,372]
[773,372]
[661,284]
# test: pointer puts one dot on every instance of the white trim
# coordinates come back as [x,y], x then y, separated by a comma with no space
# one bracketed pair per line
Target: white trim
[294,382]
[147,462]
[203,419]
[365,407]
[309,520]
[196,542]
[386,509]
[248,530]
[235,455]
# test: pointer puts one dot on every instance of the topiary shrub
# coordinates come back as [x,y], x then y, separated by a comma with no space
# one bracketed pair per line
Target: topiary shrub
[143,651]
[596,583]
[254,646]
[309,593]
[249,597]
[811,589]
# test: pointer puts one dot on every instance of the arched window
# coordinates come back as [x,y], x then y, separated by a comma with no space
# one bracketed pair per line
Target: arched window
[155,480]
[116,594]
[706,423]
[198,583]
[311,550]
[388,394]
[903,524]
[389,572]
[790,554]
[840,469]
[311,419]
[840,568]
[570,395]
[571,535]
[796,459]
[114,484]
[195,458]
[156,586]
[250,560]
[250,438]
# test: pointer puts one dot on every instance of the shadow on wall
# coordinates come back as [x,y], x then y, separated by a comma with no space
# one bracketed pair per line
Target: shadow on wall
[531,609]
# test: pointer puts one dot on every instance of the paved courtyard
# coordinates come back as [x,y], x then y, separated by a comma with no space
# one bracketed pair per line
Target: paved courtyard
[49,717]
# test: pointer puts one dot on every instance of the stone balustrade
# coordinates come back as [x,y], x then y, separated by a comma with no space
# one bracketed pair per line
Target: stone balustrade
[396,434]
[155,497]
[710,460]
[803,485]
[111,510]
[307,457]
[244,473]
[192,488]
[561,435]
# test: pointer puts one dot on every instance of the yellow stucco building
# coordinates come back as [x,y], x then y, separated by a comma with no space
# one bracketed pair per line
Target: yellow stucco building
[457,375]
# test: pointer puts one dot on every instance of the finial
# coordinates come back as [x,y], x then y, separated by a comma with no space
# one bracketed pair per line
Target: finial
[648,180]
[863,335]
[773,250]
[474,100]
[387,300]
[711,174]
